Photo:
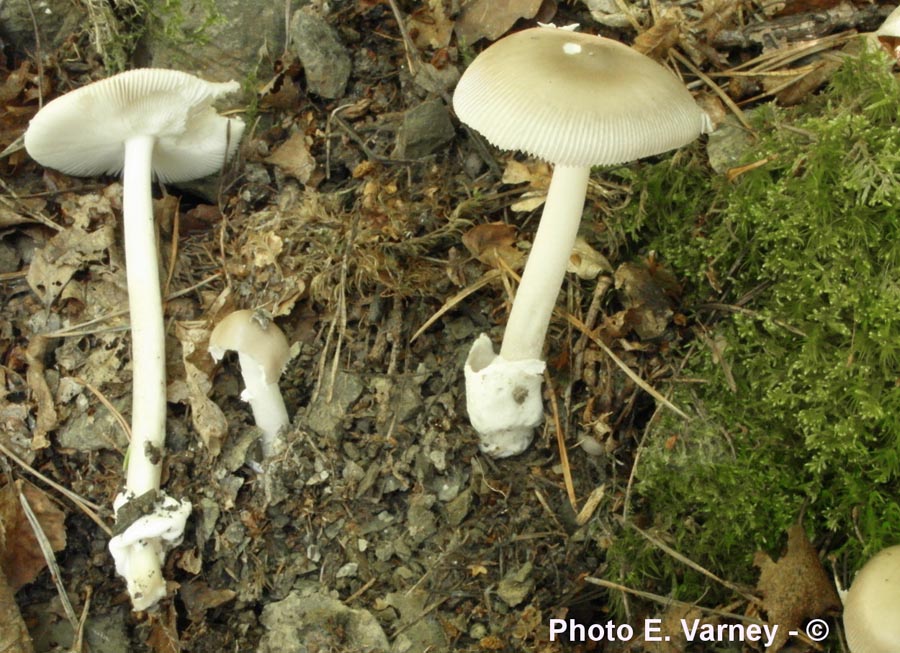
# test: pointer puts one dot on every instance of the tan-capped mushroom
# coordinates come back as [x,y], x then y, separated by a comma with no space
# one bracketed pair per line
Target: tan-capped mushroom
[263,351]
[576,101]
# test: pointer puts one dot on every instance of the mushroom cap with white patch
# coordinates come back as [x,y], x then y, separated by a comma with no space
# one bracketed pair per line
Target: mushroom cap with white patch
[575,99]
[872,605]
[83,132]
[263,342]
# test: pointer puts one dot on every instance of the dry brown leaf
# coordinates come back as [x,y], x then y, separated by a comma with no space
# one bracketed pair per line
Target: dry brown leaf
[657,40]
[199,597]
[429,26]
[493,241]
[645,296]
[65,254]
[163,635]
[795,588]
[47,417]
[21,559]
[14,636]
[586,262]
[491,19]
[536,174]
[293,158]
[207,418]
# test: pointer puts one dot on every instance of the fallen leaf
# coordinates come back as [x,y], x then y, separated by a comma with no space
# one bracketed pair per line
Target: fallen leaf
[429,26]
[207,418]
[795,588]
[21,559]
[65,254]
[47,417]
[646,299]
[293,158]
[536,174]
[14,638]
[491,19]
[586,262]
[198,597]
[494,242]
[659,39]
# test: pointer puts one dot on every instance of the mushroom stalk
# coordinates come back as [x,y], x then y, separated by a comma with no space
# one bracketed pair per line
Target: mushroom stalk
[148,360]
[266,403]
[546,266]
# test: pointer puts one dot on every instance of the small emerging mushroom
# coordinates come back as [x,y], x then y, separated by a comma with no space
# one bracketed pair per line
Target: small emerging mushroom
[263,351]
[576,101]
[142,123]
[872,605]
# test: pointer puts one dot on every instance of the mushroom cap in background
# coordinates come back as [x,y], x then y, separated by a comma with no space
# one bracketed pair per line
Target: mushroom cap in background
[575,99]
[83,132]
[872,605]
[243,332]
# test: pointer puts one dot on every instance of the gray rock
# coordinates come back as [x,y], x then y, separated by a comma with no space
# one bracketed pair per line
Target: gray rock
[323,416]
[516,585]
[310,621]
[92,431]
[107,633]
[426,129]
[727,145]
[325,60]
[225,43]
[56,21]
[418,631]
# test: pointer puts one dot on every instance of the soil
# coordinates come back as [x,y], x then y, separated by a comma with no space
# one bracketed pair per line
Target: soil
[381,522]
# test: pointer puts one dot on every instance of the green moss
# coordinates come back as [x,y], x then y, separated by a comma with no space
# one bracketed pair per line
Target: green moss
[116,33]
[809,245]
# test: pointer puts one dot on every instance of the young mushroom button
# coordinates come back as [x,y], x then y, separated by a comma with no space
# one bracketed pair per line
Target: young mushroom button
[872,605]
[263,351]
[576,101]
[143,123]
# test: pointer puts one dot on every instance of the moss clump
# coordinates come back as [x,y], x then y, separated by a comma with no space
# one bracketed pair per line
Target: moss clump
[116,30]
[806,249]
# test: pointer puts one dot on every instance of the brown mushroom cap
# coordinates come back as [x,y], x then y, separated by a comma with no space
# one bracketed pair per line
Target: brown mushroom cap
[242,332]
[575,99]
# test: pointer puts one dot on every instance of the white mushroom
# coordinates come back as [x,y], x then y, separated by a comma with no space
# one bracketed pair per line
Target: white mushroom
[263,351]
[142,123]
[872,605]
[576,101]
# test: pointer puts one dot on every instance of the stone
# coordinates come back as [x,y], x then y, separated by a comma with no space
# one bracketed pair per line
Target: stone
[326,62]
[57,20]
[93,431]
[325,416]
[516,585]
[218,44]
[308,621]
[426,129]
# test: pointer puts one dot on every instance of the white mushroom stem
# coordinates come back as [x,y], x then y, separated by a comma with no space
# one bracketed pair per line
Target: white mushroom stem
[503,392]
[139,551]
[266,403]
[148,359]
[546,266]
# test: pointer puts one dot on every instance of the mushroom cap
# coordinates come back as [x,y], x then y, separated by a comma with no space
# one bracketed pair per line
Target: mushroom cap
[83,132]
[872,605]
[243,332]
[891,25]
[575,99]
